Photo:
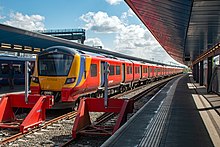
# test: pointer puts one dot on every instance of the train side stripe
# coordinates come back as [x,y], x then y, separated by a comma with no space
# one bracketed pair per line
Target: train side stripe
[82,69]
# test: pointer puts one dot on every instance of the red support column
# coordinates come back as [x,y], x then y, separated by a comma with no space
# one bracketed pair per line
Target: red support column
[82,119]
[82,124]
[37,115]
[6,113]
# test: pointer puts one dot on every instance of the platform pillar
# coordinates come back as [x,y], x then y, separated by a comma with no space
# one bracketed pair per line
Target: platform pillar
[201,73]
[194,72]
[209,72]
[197,73]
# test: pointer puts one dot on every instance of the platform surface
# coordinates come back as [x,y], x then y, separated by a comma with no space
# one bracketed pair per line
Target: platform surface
[172,118]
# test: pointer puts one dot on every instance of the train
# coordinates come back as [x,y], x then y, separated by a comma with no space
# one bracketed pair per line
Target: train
[18,64]
[69,74]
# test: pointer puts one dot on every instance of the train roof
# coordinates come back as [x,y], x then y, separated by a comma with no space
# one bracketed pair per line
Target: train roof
[63,49]
[97,55]
[101,55]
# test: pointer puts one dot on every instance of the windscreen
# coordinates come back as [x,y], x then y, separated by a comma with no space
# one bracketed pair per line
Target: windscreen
[54,64]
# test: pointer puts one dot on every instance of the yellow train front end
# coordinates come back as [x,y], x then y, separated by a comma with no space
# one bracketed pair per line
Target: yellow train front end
[56,73]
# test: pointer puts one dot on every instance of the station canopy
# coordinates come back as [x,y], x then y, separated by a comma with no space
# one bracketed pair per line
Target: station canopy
[23,41]
[184,28]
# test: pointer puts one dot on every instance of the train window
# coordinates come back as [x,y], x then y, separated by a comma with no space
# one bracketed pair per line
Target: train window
[145,70]
[17,68]
[4,68]
[54,64]
[118,70]
[137,70]
[130,70]
[112,70]
[93,70]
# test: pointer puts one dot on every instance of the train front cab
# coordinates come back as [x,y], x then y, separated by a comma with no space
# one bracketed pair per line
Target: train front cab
[58,70]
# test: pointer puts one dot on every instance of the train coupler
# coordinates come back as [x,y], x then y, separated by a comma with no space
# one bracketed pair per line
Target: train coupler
[35,117]
[82,124]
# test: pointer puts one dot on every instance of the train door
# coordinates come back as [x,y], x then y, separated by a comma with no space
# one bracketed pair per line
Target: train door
[123,72]
[102,74]
[141,74]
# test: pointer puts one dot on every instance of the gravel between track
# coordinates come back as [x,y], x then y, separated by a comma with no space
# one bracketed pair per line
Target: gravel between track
[60,132]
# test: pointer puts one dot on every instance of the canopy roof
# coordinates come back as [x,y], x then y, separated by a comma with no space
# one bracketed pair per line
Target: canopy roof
[184,28]
[19,40]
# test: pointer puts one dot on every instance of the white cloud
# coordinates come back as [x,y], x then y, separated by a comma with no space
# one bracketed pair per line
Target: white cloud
[1,16]
[114,2]
[94,42]
[125,15]
[137,41]
[32,22]
[134,40]
[101,22]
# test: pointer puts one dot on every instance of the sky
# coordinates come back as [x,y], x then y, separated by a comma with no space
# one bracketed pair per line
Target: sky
[108,23]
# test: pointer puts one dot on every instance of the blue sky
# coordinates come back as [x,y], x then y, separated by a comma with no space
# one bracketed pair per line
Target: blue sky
[109,23]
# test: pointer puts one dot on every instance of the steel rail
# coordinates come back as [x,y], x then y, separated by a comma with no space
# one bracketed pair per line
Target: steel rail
[19,135]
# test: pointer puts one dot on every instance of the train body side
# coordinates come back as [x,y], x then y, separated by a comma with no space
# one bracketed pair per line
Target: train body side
[18,64]
[85,74]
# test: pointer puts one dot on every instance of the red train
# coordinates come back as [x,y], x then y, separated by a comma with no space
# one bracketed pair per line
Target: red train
[69,74]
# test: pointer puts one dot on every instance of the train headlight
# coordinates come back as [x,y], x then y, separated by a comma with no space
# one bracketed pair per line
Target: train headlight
[35,79]
[70,80]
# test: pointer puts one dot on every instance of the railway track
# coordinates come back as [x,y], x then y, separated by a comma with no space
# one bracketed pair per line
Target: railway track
[136,95]
[23,139]
[16,136]
[108,116]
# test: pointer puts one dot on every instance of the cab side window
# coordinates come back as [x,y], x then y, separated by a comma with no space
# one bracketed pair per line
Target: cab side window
[93,70]
[112,70]
[118,70]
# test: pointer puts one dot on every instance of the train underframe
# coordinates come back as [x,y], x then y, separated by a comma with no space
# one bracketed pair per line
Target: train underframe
[99,93]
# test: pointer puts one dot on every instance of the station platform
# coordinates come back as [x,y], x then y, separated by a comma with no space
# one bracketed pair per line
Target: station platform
[180,114]
[6,89]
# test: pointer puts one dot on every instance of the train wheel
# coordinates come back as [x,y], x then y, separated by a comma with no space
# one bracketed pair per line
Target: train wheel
[98,94]
[122,89]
